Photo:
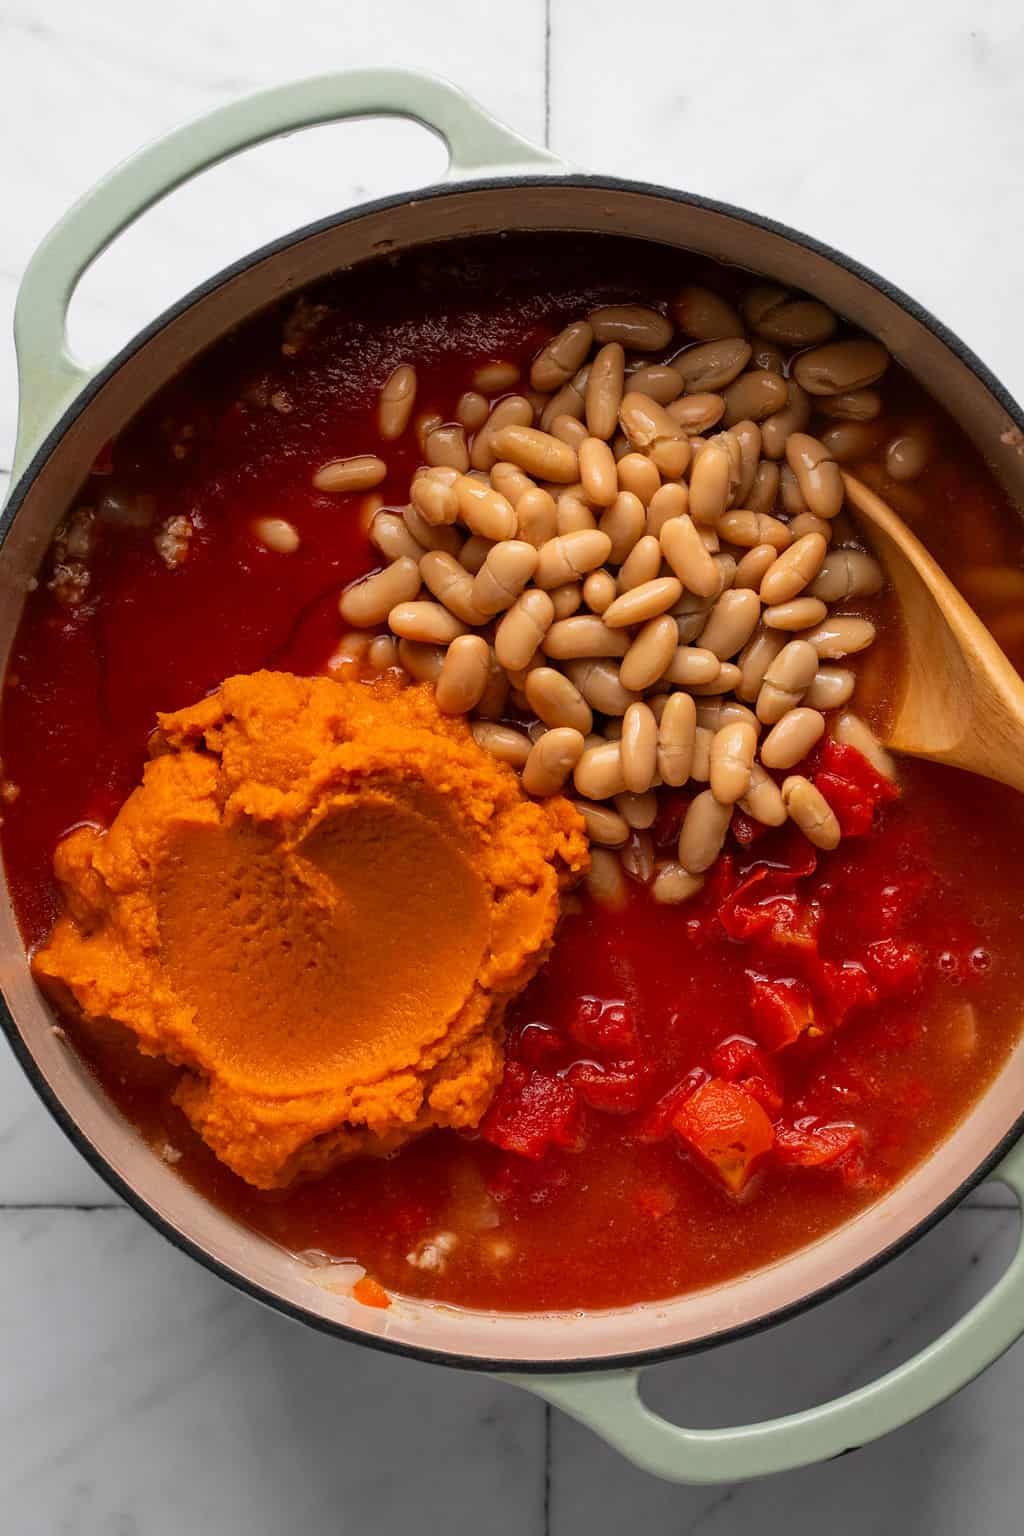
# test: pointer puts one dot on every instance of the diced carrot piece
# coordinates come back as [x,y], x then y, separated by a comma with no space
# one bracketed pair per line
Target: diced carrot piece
[727,1129]
[370,1293]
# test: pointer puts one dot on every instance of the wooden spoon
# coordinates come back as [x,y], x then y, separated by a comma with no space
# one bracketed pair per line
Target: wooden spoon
[963,702]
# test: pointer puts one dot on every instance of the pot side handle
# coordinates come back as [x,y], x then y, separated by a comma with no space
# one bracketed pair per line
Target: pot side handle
[50,378]
[610,1404]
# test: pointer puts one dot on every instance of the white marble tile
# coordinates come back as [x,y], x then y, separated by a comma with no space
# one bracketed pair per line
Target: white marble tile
[953,1471]
[81,87]
[38,1165]
[139,1396]
[142,1397]
[892,132]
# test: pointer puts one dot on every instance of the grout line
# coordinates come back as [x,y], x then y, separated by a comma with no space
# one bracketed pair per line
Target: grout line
[547,73]
[547,1469]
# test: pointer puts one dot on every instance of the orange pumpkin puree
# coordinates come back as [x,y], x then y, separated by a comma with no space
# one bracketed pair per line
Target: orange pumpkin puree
[319,903]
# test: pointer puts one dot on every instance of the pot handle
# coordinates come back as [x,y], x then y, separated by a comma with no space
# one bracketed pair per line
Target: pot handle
[50,378]
[610,1404]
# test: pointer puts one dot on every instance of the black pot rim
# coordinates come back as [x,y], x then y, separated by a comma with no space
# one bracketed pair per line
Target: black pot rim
[531,1367]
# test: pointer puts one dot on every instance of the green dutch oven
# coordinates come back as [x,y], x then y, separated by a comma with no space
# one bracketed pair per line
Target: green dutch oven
[588,1364]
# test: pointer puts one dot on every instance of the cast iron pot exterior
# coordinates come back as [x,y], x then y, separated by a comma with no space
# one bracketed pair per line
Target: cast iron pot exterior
[585,1362]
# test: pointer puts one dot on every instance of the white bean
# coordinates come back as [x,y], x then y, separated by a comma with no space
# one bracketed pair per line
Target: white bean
[368,602]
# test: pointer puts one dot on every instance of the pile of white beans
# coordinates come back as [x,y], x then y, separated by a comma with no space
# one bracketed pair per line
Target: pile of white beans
[644,555]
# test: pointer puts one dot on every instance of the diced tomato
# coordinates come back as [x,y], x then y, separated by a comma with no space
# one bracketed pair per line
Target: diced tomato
[657,1123]
[854,810]
[791,854]
[586,1019]
[736,1056]
[719,886]
[727,1129]
[843,987]
[535,1045]
[752,910]
[616,1090]
[743,912]
[604,1027]
[531,1112]
[753,906]
[812,1143]
[850,764]
[894,966]
[371,1293]
[739,1060]
[852,787]
[782,1008]
[768,1093]
[793,925]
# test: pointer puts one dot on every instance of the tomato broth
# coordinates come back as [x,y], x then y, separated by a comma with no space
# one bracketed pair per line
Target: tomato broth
[900,945]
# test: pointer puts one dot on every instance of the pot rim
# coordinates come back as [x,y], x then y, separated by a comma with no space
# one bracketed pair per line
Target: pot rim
[178,1238]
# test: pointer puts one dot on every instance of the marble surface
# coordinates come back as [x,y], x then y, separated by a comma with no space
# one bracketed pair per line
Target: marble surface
[139,1396]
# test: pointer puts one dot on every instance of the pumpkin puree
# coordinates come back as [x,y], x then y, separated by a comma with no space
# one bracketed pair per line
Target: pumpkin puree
[319,903]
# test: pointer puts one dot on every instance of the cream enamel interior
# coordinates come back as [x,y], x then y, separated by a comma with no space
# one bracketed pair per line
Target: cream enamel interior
[558,1338]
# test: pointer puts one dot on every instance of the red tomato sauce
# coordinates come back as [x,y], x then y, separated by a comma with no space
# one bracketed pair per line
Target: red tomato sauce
[861,999]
